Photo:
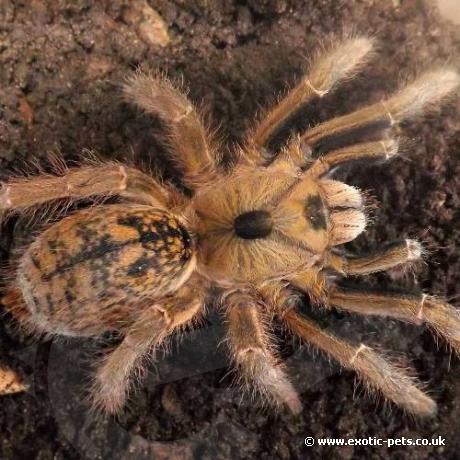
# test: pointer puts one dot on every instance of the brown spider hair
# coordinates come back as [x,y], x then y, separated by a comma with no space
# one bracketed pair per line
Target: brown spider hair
[253,236]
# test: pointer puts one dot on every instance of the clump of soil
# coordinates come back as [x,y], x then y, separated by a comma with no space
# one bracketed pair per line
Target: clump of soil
[61,65]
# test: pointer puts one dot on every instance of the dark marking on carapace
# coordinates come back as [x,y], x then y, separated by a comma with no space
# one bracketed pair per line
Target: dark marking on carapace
[253,224]
[87,234]
[315,212]
[35,300]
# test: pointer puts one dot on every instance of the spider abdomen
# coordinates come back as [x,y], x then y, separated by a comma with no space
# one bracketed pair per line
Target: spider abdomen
[86,273]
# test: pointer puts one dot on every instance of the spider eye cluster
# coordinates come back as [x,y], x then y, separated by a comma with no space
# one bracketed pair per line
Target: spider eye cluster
[253,224]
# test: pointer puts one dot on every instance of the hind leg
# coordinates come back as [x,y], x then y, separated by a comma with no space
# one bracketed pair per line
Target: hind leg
[113,379]
[191,145]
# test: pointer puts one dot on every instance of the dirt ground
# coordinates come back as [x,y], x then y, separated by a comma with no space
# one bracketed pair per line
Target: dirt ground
[61,63]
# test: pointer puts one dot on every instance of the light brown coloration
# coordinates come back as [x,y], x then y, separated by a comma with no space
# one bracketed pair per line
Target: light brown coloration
[397,253]
[371,368]
[252,351]
[255,236]
[338,64]
[10,382]
[76,183]
[191,144]
[112,383]
[101,262]
[408,102]
[417,309]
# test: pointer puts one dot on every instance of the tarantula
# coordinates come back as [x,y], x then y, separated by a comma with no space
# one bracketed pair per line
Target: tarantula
[256,237]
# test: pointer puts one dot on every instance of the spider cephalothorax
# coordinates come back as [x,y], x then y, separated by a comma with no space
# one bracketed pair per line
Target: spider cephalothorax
[266,223]
[254,236]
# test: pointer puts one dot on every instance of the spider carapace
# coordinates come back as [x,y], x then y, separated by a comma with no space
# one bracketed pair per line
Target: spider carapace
[255,236]
[264,224]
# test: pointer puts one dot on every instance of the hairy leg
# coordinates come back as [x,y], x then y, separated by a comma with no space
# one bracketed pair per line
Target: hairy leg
[113,378]
[190,143]
[314,283]
[392,255]
[443,318]
[375,371]
[252,352]
[440,316]
[21,193]
[331,67]
[379,150]
[412,100]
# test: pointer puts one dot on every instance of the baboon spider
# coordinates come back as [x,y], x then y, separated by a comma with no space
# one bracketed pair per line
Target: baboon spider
[255,236]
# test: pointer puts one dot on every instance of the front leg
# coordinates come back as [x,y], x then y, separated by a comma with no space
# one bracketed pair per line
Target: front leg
[392,255]
[426,91]
[314,281]
[417,309]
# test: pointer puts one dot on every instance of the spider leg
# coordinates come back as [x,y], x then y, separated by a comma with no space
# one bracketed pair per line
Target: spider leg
[379,150]
[443,318]
[113,378]
[190,143]
[339,63]
[374,370]
[252,352]
[21,193]
[408,102]
[393,255]
[397,253]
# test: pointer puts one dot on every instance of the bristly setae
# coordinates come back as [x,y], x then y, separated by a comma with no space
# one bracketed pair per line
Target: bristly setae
[254,236]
